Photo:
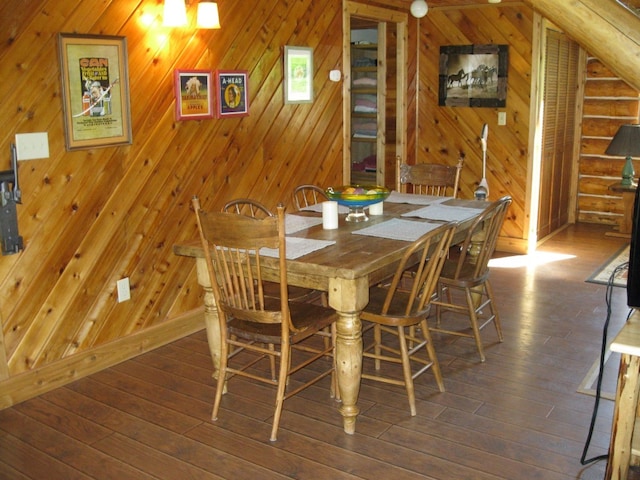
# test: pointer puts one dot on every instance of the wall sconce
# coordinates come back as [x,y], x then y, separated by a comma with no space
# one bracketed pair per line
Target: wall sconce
[626,142]
[175,14]
[419,8]
[208,15]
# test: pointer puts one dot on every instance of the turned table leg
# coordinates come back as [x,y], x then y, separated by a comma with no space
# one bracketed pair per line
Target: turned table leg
[348,298]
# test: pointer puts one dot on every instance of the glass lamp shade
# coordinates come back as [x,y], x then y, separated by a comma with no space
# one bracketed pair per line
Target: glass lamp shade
[208,15]
[626,143]
[174,14]
[419,8]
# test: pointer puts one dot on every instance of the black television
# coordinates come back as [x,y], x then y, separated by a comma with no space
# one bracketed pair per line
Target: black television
[633,277]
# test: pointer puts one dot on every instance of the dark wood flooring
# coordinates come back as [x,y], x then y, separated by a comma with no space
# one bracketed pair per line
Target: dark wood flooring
[517,416]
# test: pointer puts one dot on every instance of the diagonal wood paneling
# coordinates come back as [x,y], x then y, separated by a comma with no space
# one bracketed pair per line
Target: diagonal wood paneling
[445,133]
[91,217]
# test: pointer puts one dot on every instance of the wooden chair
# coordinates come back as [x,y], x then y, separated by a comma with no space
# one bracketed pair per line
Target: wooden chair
[247,207]
[429,178]
[255,209]
[307,195]
[464,287]
[249,319]
[395,312]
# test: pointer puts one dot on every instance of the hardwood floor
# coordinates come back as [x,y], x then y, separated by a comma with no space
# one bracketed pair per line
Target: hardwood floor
[516,416]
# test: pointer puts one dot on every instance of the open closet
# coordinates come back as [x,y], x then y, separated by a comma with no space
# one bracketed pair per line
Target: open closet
[374,93]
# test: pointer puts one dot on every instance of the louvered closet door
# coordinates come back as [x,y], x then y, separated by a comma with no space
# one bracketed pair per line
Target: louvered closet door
[560,88]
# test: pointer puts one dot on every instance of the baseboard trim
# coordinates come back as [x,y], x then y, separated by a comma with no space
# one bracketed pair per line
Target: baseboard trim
[35,382]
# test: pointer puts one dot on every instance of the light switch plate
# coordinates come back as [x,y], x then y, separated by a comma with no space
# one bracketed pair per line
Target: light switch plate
[124,290]
[30,146]
[502,118]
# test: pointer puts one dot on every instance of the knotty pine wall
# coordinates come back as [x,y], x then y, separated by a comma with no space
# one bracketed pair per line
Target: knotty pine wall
[91,217]
[446,133]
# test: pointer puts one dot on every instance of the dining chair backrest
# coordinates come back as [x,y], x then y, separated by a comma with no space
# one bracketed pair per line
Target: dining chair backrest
[308,195]
[249,321]
[232,246]
[411,306]
[429,178]
[247,207]
[480,242]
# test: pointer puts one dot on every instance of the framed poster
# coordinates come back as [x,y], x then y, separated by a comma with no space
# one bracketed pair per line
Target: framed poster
[95,90]
[298,75]
[473,76]
[232,93]
[194,94]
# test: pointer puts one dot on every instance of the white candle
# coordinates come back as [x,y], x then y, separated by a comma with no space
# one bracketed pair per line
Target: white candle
[329,215]
[376,209]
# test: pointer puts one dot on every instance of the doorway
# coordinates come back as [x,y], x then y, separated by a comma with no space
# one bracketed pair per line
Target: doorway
[374,93]
[558,80]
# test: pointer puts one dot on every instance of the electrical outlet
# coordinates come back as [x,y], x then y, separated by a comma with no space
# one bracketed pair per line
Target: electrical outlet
[502,118]
[124,290]
[30,146]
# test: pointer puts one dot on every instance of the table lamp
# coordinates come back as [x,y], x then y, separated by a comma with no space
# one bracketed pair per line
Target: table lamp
[626,143]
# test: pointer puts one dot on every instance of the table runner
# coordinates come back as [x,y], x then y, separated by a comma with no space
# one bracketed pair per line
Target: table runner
[297,247]
[444,212]
[318,208]
[295,223]
[398,229]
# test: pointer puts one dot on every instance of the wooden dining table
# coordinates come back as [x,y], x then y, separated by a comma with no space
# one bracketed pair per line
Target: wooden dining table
[345,270]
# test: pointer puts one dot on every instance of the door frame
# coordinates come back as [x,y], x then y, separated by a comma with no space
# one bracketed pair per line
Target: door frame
[380,15]
[532,201]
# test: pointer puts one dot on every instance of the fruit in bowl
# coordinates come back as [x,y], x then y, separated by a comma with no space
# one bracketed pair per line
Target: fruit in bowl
[356,197]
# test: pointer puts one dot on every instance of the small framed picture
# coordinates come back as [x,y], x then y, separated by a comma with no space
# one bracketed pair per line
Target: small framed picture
[298,74]
[232,93]
[194,94]
[95,90]
[473,75]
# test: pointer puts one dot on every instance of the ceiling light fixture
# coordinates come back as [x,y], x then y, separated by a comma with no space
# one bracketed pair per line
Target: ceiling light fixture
[419,8]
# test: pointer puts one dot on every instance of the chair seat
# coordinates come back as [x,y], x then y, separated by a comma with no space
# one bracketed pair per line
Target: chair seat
[465,279]
[396,314]
[305,317]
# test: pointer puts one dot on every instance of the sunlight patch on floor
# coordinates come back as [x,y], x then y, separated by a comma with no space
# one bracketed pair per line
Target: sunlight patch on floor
[533,260]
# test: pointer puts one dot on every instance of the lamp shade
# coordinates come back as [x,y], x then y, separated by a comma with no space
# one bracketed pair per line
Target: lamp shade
[208,15]
[626,142]
[419,8]
[174,14]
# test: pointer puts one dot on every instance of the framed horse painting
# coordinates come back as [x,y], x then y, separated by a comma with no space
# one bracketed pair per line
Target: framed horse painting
[473,76]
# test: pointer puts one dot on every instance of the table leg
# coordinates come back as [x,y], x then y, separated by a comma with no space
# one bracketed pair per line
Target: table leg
[348,298]
[624,416]
[628,199]
[210,315]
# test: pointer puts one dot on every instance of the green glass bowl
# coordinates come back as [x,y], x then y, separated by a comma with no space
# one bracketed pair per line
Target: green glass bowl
[357,195]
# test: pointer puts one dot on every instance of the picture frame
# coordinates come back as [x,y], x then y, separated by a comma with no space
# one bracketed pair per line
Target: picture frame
[232,93]
[194,94]
[298,74]
[473,76]
[95,90]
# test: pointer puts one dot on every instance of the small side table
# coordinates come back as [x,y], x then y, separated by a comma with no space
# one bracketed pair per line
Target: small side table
[628,198]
